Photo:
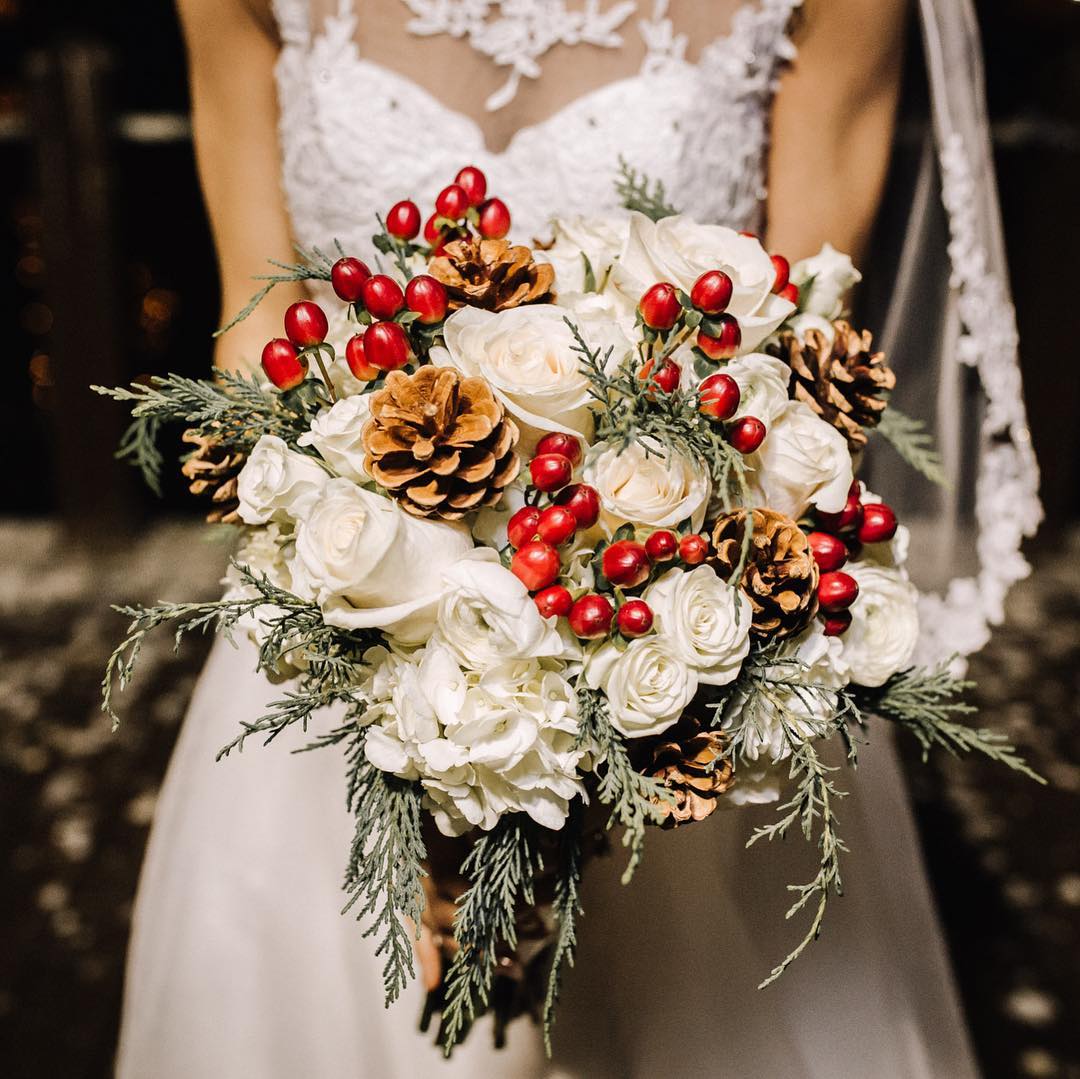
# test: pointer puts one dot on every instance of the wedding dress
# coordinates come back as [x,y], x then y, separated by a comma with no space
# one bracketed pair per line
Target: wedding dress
[240,963]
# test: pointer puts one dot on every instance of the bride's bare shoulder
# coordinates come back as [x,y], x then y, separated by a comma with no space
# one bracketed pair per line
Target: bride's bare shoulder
[203,18]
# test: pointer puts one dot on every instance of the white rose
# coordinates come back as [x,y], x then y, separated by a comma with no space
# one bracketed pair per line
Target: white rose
[370,565]
[706,622]
[647,484]
[884,626]
[679,250]
[648,686]
[336,434]
[824,281]
[277,483]
[763,385]
[599,239]
[803,461]
[603,324]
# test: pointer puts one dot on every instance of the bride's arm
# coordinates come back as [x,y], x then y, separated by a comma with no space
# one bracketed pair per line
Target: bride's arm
[832,126]
[231,53]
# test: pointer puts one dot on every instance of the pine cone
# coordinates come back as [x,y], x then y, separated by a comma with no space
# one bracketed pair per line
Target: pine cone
[693,766]
[781,576]
[212,470]
[845,383]
[493,275]
[440,444]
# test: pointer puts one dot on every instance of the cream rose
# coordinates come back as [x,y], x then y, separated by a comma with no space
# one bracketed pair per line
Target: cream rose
[824,281]
[336,435]
[763,385]
[599,239]
[884,626]
[277,483]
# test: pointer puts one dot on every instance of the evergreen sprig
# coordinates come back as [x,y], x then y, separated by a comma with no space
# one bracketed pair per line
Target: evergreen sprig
[910,439]
[637,192]
[566,906]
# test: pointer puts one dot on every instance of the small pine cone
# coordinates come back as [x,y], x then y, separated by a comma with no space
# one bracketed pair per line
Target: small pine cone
[440,444]
[693,766]
[493,275]
[845,383]
[212,470]
[781,576]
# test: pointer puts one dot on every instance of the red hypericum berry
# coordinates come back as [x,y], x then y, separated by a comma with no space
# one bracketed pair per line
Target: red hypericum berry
[662,546]
[348,275]
[535,565]
[724,344]
[452,202]
[382,296]
[522,526]
[837,623]
[849,518]
[582,501]
[403,220]
[428,298]
[554,602]
[878,523]
[719,396]
[432,235]
[590,617]
[386,346]
[829,552]
[666,378]
[660,307]
[747,434]
[550,471]
[283,365]
[473,182]
[693,549]
[711,293]
[790,292]
[305,324]
[626,563]
[356,358]
[837,591]
[556,525]
[494,221]
[783,273]
[635,618]
[558,442]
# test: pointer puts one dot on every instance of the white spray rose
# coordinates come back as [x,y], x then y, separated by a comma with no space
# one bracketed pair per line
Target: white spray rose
[599,239]
[824,281]
[763,385]
[336,434]
[884,626]
[277,483]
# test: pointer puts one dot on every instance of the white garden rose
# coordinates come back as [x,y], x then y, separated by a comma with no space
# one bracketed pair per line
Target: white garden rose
[884,626]
[603,324]
[370,565]
[803,461]
[336,434]
[705,621]
[277,483]
[648,685]
[679,250]
[824,281]
[647,484]
[763,385]
[599,239]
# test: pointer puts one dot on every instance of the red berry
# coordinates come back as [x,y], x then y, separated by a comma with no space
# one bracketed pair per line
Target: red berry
[357,359]
[558,442]
[522,526]
[452,202]
[635,618]
[556,525]
[878,523]
[837,591]
[666,379]
[535,565]
[403,220]
[837,623]
[473,182]
[550,471]
[783,272]
[494,221]
[660,307]
[724,344]
[582,501]
[626,563]
[428,298]
[693,549]
[386,346]
[829,552]
[284,367]
[383,296]
[790,292]
[719,396]
[711,293]
[662,546]
[747,434]
[590,617]
[305,324]
[348,275]
[433,235]
[848,519]
[554,602]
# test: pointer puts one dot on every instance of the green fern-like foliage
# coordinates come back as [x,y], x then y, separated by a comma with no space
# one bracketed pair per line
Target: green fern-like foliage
[914,443]
[637,192]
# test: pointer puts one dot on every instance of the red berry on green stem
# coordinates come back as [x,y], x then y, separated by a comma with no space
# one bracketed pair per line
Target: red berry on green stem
[403,220]
[556,525]
[590,617]
[635,618]
[305,324]
[848,519]
[626,563]
[452,202]
[878,523]
[693,549]
[790,292]
[662,546]
[550,471]
[432,235]
[347,276]
[660,307]
[829,552]
[666,378]
[428,298]
[522,526]
[724,344]
[382,296]
[711,293]
[746,434]
[782,268]
[386,346]
[719,396]
[837,591]
[356,358]
[494,221]
[473,182]
[558,442]
[536,565]
[554,602]
[283,365]
[837,623]
[582,501]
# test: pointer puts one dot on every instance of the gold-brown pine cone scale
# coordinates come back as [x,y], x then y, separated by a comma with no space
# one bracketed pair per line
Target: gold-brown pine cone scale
[695,769]
[439,443]
[492,274]
[211,471]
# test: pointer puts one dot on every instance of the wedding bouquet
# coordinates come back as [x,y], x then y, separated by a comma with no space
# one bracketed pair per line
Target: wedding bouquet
[570,538]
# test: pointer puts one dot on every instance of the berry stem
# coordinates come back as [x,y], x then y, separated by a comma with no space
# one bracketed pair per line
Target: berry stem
[396,246]
[317,350]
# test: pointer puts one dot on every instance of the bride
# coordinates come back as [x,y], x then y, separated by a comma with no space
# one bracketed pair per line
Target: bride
[311,116]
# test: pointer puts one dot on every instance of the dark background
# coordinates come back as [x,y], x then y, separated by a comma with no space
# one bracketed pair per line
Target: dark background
[108,273]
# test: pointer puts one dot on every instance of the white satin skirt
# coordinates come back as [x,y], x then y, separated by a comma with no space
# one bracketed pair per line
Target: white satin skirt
[241,966]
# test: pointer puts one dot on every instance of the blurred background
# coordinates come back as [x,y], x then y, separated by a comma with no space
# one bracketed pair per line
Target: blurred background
[108,274]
